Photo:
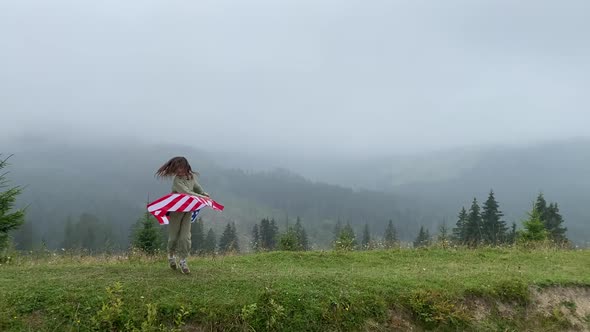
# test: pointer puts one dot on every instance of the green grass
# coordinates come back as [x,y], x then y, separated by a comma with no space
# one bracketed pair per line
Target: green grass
[311,291]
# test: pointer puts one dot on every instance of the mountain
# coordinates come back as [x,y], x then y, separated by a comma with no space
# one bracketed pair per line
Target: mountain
[114,183]
[560,170]
[441,182]
[446,180]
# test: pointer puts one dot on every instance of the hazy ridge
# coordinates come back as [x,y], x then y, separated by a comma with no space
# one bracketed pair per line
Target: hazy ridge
[114,182]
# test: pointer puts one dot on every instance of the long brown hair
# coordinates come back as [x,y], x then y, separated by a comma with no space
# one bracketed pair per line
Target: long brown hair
[177,166]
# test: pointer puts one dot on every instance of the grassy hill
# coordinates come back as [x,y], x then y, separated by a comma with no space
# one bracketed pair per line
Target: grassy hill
[431,289]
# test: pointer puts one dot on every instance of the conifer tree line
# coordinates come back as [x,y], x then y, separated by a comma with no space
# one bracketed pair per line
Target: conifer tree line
[479,225]
[266,237]
[423,239]
[485,225]
[345,238]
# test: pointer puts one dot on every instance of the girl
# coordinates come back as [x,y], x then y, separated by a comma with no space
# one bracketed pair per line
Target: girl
[179,229]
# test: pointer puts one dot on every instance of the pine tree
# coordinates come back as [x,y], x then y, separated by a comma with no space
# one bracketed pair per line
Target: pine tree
[264,234]
[210,243]
[236,242]
[459,232]
[554,224]
[302,240]
[390,239]
[541,207]
[493,227]
[197,236]
[147,236]
[534,230]
[473,232]
[274,233]
[366,243]
[423,238]
[255,238]
[288,241]
[512,235]
[346,239]
[228,242]
[9,219]
[268,234]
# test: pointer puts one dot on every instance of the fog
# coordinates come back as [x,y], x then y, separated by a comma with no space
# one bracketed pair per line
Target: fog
[344,77]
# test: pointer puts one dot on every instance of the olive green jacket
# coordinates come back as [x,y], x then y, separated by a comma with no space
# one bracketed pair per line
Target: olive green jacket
[182,184]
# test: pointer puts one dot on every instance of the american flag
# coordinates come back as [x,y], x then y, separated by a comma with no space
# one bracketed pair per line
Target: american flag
[176,202]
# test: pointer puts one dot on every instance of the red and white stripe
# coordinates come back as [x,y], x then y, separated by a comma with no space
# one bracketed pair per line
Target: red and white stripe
[176,202]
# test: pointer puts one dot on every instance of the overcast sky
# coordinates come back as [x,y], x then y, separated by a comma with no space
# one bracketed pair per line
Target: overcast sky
[349,76]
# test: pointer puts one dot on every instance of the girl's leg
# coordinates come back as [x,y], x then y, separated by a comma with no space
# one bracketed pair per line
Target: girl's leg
[184,242]
[173,237]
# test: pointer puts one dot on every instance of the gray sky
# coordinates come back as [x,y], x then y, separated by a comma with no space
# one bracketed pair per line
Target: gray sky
[349,76]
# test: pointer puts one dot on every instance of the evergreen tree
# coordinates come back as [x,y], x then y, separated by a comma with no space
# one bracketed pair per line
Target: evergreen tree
[229,240]
[534,230]
[255,238]
[346,239]
[268,234]
[10,219]
[274,233]
[197,236]
[288,241]
[473,232]
[554,224]
[210,243]
[146,237]
[423,238]
[493,227]
[302,240]
[264,234]
[512,235]
[459,232]
[366,242]
[541,207]
[390,239]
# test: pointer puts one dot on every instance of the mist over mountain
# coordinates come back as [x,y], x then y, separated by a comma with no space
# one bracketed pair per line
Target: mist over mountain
[65,180]
[447,179]
[114,183]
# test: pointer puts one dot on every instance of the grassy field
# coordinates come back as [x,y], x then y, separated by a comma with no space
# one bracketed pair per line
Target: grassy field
[430,289]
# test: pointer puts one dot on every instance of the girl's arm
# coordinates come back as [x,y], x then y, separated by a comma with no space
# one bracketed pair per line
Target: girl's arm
[184,186]
[197,188]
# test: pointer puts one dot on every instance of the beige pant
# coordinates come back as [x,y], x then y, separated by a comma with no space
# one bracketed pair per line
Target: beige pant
[179,234]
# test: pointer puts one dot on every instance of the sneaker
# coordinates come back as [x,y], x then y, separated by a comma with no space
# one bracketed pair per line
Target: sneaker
[184,267]
[172,262]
